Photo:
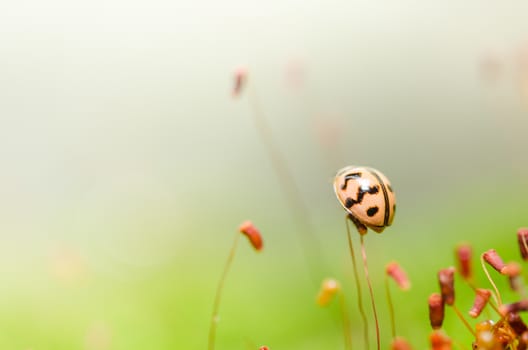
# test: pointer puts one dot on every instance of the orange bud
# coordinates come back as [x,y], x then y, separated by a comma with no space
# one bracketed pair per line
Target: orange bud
[394,270]
[240,80]
[494,260]
[252,233]
[440,341]
[446,278]
[481,299]
[328,289]
[400,343]
[436,310]
[463,255]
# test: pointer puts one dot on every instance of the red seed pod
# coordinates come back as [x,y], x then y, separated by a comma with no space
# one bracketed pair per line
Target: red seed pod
[481,299]
[328,289]
[440,341]
[514,307]
[446,278]
[400,343]
[494,260]
[522,238]
[436,310]
[252,233]
[394,270]
[463,257]
[240,80]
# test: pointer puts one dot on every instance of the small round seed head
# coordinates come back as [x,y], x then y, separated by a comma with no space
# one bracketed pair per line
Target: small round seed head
[252,233]
[394,270]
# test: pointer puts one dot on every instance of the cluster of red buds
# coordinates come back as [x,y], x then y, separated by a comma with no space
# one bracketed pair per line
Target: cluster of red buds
[508,332]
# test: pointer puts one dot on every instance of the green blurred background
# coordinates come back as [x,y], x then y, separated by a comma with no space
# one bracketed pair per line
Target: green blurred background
[127,166]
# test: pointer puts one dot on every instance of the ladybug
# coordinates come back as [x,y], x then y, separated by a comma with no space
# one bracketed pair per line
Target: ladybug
[367,196]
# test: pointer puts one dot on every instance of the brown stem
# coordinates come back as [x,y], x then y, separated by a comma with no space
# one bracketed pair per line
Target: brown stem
[391,307]
[216,305]
[496,295]
[346,321]
[464,321]
[365,265]
[309,242]
[358,285]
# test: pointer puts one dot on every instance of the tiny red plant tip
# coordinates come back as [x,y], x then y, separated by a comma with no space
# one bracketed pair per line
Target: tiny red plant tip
[394,270]
[481,299]
[329,288]
[522,238]
[463,255]
[446,279]
[436,310]
[494,260]
[440,341]
[400,343]
[240,80]
[252,233]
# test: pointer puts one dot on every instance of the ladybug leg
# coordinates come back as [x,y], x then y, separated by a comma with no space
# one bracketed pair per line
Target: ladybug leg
[362,229]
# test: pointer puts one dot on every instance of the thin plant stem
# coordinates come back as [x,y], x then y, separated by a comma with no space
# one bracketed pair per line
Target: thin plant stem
[365,265]
[309,243]
[496,295]
[464,321]
[346,321]
[218,296]
[358,286]
[391,307]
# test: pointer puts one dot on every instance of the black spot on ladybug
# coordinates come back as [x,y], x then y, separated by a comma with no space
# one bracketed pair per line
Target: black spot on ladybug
[351,176]
[349,202]
[372,211]
[389,188]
